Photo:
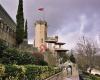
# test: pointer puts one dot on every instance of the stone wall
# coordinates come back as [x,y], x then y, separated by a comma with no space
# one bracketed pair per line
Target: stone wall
[57,76]
[24,46]
[7,28]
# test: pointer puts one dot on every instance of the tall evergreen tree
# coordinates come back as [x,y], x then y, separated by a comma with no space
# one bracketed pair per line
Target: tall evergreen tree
[25,30]
[20,23]
[72,58]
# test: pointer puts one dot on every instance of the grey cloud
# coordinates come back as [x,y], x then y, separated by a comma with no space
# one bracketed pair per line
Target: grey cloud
[59,14]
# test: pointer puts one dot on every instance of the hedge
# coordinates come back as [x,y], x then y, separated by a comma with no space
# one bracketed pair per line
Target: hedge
[26,72]
[91,76]
[16,56]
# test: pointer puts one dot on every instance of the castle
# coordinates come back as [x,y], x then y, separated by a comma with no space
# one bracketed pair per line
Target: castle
[42,41]
[7,28]
[42,38]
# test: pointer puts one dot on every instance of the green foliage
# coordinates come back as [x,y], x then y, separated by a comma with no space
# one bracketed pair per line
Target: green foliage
[29,72]
[72,58]
[43,63]
[94,77]
[2,70]
[14,72]
[13,56]
[90,76]
[63,56]
[26,58]
[25,36]
[9,56]
[2,48]
[20,23]
[39,59]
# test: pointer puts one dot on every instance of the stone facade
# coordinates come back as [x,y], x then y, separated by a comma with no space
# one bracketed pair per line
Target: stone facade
[49,44]
[7,28]
[40,33]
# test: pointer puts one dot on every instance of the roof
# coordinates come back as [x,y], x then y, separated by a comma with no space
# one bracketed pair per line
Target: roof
[51,40]
[60,43]
[60,50]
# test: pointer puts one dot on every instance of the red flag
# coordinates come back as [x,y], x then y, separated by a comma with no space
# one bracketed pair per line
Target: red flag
[41,9]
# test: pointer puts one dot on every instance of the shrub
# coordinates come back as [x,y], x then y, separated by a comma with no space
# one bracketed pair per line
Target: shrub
[14,71]
[72,58]
[13,56]
[42,63]
[2,70]
[30,72]
[2,48]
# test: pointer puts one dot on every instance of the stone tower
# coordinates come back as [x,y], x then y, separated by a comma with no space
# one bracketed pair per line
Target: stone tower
[40,33]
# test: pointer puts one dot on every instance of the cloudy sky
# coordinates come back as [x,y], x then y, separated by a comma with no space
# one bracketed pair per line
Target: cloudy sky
[69,19]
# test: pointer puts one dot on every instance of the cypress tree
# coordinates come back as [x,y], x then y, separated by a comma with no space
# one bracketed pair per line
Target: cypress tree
[20,23]
[25,30]
[72,58]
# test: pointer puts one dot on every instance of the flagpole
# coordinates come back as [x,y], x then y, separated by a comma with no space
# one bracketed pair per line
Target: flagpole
[44,16]
[41,13]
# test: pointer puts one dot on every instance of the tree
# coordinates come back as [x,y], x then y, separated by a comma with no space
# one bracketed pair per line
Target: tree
[25,36]
[63,56]
[72,58]
[39,59]
[3,47]
[20,23]
[14,56]
[87,49]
